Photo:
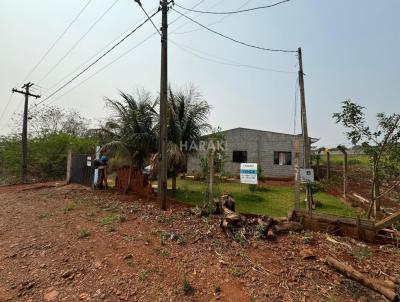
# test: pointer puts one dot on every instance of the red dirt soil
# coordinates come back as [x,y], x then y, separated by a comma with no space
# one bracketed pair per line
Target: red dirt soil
[53,247]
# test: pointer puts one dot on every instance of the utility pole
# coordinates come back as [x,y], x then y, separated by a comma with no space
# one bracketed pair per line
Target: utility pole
[24,159]
[306,141]
[162,152]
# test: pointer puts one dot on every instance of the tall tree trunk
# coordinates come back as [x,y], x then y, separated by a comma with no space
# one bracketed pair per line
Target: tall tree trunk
[129,179]
[373,191]
[377,193]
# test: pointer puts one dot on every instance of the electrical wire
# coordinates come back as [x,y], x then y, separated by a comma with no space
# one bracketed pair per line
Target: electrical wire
[232,12]
[211,7]
[220,60]
[97,60]
[212,23]
[148,17]
[103,68]
[77,42]
[232,39]
[7,104]
[57,40]
[97,53]
[125,53]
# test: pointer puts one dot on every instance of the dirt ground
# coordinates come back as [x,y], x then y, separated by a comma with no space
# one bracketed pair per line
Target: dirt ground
[68,243]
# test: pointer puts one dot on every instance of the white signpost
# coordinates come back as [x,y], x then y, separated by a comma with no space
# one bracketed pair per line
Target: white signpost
[306,176]
[248,173]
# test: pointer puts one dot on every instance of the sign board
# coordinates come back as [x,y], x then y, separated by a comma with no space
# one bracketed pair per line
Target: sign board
[248,173]
[89,161]
[306,175]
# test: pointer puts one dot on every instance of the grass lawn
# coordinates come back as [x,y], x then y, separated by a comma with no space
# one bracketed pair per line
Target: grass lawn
[273,201]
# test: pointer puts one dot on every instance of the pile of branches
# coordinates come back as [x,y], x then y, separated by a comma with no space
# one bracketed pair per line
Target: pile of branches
[241,227]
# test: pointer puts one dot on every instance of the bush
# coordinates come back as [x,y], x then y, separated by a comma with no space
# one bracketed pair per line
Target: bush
[47,155]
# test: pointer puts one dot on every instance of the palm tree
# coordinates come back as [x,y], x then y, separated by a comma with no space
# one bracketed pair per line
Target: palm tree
[133,125]
[187,122]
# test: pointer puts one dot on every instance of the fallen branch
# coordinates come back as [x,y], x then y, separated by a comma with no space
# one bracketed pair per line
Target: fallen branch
[371,283]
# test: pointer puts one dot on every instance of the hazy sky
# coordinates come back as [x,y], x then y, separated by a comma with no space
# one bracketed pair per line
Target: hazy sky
[350,48]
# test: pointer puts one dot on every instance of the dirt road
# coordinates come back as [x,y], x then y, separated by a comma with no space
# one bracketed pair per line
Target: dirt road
[67,243]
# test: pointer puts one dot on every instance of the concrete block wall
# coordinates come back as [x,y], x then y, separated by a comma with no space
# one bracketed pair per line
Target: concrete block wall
[260,146]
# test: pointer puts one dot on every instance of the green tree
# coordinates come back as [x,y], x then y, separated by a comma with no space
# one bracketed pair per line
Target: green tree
[133,130]
[382,145]
[187,122]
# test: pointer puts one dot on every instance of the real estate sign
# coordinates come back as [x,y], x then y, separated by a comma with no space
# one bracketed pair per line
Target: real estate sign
[248,173]
[306,175]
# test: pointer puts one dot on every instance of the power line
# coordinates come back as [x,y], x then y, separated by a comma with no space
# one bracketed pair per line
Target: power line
[104,67]
[118,58]
[232,12]
[57,40]
[99,58]
[148,17]
[212,23]
[212,6]
[77,42]
[8,103]
[219,60]
[232,39]
[97,53]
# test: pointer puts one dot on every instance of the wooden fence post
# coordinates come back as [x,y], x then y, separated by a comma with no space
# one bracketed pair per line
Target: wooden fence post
[318,160]
[69,164]
[328,165]
[343,149]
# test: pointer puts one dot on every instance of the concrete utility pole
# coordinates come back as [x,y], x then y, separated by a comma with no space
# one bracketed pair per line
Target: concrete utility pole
[306,141]
[162,172]
[24,159]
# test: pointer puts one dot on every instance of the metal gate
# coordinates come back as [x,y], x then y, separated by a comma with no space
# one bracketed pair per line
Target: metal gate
[81,169]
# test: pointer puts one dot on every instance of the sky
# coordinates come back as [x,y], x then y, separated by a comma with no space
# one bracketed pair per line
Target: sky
[350,51]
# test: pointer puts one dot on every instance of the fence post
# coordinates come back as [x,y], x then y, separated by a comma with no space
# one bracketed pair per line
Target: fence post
[328,164]
[343,149]
[69,164]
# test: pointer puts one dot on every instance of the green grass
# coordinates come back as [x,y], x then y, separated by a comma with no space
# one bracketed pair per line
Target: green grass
[110,219]
[274,201]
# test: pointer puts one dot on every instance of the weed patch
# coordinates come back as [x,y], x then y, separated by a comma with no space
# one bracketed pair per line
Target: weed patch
[187,287]
[110,219]
[143,275]
[83,233]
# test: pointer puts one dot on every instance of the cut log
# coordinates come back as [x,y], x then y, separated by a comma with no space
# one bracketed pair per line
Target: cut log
[352,273]
[291,215]
[286,227]
[389,284]
[395,279]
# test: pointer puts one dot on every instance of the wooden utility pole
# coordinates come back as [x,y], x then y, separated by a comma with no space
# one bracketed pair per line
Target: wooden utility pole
[24,159]
[296,149]
[306,140]
[162,172]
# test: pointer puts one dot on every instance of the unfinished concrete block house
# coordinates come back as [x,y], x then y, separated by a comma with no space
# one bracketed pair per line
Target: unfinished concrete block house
[273,151]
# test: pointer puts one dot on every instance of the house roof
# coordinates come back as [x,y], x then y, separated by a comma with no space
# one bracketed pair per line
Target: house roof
[313,140]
